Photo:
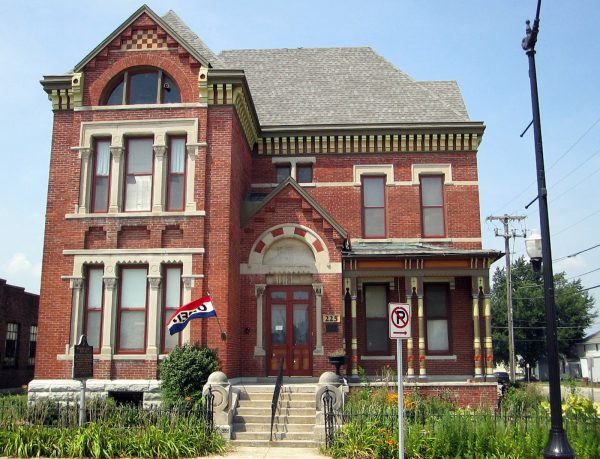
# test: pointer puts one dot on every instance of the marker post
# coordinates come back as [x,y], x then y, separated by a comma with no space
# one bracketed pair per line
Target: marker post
[400,328]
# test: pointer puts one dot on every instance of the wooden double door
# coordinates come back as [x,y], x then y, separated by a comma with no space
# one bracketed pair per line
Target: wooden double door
[290,330]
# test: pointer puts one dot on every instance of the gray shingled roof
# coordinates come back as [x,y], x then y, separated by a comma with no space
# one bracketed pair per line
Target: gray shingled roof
[191,38]
[392,249]
[316,86]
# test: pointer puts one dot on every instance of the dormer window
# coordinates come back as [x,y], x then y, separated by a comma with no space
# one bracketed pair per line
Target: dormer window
[142,86]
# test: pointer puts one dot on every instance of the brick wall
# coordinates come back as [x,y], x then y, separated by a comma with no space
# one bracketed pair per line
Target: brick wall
[20,307]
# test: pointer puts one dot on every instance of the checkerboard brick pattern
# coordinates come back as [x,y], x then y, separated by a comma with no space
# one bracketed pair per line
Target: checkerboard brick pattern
[144,39]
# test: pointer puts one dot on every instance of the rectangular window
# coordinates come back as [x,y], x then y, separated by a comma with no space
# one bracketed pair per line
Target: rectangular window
[11,346]
[283,172]
[436,314]
[373,198]
[101,178]
[171,301]
[376,319]
[304,173]
[93,307]
[176,174]
[133,294]
[432,206]
[32,345]
[138,175]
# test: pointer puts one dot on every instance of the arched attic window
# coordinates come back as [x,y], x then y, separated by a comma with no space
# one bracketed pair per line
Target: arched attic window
[145,85]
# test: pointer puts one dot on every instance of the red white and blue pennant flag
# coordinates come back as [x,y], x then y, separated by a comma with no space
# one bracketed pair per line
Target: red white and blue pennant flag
[201,307]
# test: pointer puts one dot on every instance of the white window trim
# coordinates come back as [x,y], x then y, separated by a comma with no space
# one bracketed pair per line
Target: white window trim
[386,170]
[118,131]
[112,260]
[433,169]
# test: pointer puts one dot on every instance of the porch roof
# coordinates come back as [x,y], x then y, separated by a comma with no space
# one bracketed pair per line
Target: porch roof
[384,249]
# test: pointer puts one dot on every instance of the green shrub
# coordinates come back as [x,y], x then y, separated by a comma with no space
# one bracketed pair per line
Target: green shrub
[183,374]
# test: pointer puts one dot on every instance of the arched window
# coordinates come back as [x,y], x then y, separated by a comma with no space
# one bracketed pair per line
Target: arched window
[142,86]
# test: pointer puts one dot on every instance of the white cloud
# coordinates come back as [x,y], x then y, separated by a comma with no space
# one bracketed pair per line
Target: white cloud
[21,271]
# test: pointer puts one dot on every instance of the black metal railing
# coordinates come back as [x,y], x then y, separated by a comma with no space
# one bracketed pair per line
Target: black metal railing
[208,408]
[276,392]
[330,417]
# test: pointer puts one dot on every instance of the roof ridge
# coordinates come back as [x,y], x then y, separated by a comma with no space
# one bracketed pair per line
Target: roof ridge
[438,97]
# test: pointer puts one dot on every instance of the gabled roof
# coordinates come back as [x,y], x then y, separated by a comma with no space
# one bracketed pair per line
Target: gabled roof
[171,24]
[307,197]
[327,86]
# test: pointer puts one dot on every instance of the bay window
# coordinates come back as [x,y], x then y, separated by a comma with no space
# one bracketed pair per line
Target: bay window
[373,203]
[133,302]
[376,321]
[138,175]
[101,176]
[94,299]
[176,174]
[436,314]
[172,290]
[432,206]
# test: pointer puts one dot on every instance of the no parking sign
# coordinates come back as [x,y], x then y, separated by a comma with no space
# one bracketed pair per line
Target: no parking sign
[399,320]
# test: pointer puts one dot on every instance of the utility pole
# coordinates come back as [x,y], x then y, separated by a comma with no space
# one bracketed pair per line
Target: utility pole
[508,233]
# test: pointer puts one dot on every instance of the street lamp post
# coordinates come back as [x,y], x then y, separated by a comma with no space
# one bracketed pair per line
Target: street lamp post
[558,445]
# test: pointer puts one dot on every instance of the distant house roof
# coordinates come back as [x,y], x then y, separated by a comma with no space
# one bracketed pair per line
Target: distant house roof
[325,86]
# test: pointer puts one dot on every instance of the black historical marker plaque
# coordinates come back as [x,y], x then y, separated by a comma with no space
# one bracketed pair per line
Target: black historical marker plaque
[83,360]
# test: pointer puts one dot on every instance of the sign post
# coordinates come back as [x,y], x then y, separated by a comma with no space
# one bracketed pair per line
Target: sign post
[399,329]
[83,368]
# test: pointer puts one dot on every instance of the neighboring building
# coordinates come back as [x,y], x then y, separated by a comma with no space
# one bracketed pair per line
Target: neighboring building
[589,356]
[303,188]
[18,332]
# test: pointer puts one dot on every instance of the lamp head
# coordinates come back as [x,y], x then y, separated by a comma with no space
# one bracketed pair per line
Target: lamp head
[533,245]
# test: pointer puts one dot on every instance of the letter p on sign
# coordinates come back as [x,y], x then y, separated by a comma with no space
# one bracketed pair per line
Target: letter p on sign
[399,319]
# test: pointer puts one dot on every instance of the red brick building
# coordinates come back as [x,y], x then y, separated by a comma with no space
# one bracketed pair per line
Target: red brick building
[18,335]
[303,188]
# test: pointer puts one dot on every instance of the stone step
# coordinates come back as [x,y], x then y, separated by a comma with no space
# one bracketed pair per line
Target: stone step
[284,411]
[266,388]
[266,427]
[276,444]
[293,403]
[281,436]
[268,396]
[266,419]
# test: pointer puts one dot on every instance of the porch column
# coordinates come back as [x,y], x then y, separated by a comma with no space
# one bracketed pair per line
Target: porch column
[76,285]
[85,188]
[318,288]
[116,180]
[109,311]
[354,329]
[487,316]
[153,316]
[259,291]
[410,358]
[417,286]
[159,194]
[477,357]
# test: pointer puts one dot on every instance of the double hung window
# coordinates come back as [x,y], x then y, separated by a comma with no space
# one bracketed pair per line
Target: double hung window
[133,302]
[138,175]
[176,174]
[376,319]
[373,200]
[432,206]
[93,307]
[101,176]
[32,345]
[11,345]
[436,313]
[172,300]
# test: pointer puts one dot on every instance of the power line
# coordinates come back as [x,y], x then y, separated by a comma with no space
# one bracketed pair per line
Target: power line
[584,274]
[575,254]
[577,223]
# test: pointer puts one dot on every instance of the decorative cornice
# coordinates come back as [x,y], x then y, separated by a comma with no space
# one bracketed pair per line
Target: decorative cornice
[64,91]
[393,142]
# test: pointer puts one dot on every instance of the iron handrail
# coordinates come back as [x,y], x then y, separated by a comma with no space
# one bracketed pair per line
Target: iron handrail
[276,392]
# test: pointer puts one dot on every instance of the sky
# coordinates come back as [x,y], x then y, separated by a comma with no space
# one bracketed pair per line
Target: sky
[475,42]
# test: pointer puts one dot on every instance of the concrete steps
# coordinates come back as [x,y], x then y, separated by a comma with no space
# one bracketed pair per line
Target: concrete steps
[294,421]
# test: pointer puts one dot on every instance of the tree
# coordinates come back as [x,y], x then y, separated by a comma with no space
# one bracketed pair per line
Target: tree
[574,312]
